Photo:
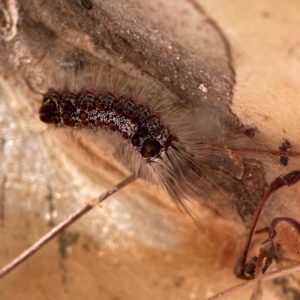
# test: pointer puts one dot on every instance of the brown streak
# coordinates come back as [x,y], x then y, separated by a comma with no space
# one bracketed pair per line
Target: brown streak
[63,225]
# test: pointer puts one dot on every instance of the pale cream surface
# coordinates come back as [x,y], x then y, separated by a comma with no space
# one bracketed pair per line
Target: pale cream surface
[265,44]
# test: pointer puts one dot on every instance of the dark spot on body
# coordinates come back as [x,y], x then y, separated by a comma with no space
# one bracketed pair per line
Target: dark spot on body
[83,115]
[66,116]
[101,107]
[135,140]
[69,123]
[84,122]
[113,127]
[134,120]
[66,108]
[119,111]
[142,131]
[83,106]
[150,148]
[98,123]
[125,135]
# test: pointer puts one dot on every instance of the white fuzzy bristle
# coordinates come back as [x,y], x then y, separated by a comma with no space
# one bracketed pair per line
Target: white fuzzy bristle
[160,145]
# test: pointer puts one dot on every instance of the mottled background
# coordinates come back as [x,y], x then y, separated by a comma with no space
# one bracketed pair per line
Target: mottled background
[230,63]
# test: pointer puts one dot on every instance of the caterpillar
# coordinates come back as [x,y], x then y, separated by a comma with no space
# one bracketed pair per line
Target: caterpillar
[153,140]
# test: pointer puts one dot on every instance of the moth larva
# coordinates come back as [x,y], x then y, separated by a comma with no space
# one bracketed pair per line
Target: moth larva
[153,140]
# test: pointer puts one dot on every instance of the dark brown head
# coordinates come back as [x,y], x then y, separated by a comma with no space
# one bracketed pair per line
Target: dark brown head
[48,112]
[151,149]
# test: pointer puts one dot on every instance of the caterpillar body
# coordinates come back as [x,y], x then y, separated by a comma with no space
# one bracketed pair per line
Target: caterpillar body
[153,140]
[93,111]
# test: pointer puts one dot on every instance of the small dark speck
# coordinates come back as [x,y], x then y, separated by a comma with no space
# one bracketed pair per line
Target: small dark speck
[178,281]
[284,161]
[265,14]
[86,247]
[155,283]
[86,4]
[284,146]
[65,240]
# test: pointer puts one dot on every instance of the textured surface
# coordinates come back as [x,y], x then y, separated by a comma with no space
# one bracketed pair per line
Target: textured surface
[138,245]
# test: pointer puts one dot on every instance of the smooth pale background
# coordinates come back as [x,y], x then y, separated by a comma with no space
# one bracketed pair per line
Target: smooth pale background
[265,46]
[136,245]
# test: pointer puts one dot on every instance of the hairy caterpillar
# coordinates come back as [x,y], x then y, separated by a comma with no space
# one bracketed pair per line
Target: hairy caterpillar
[155,141]
[262,67]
